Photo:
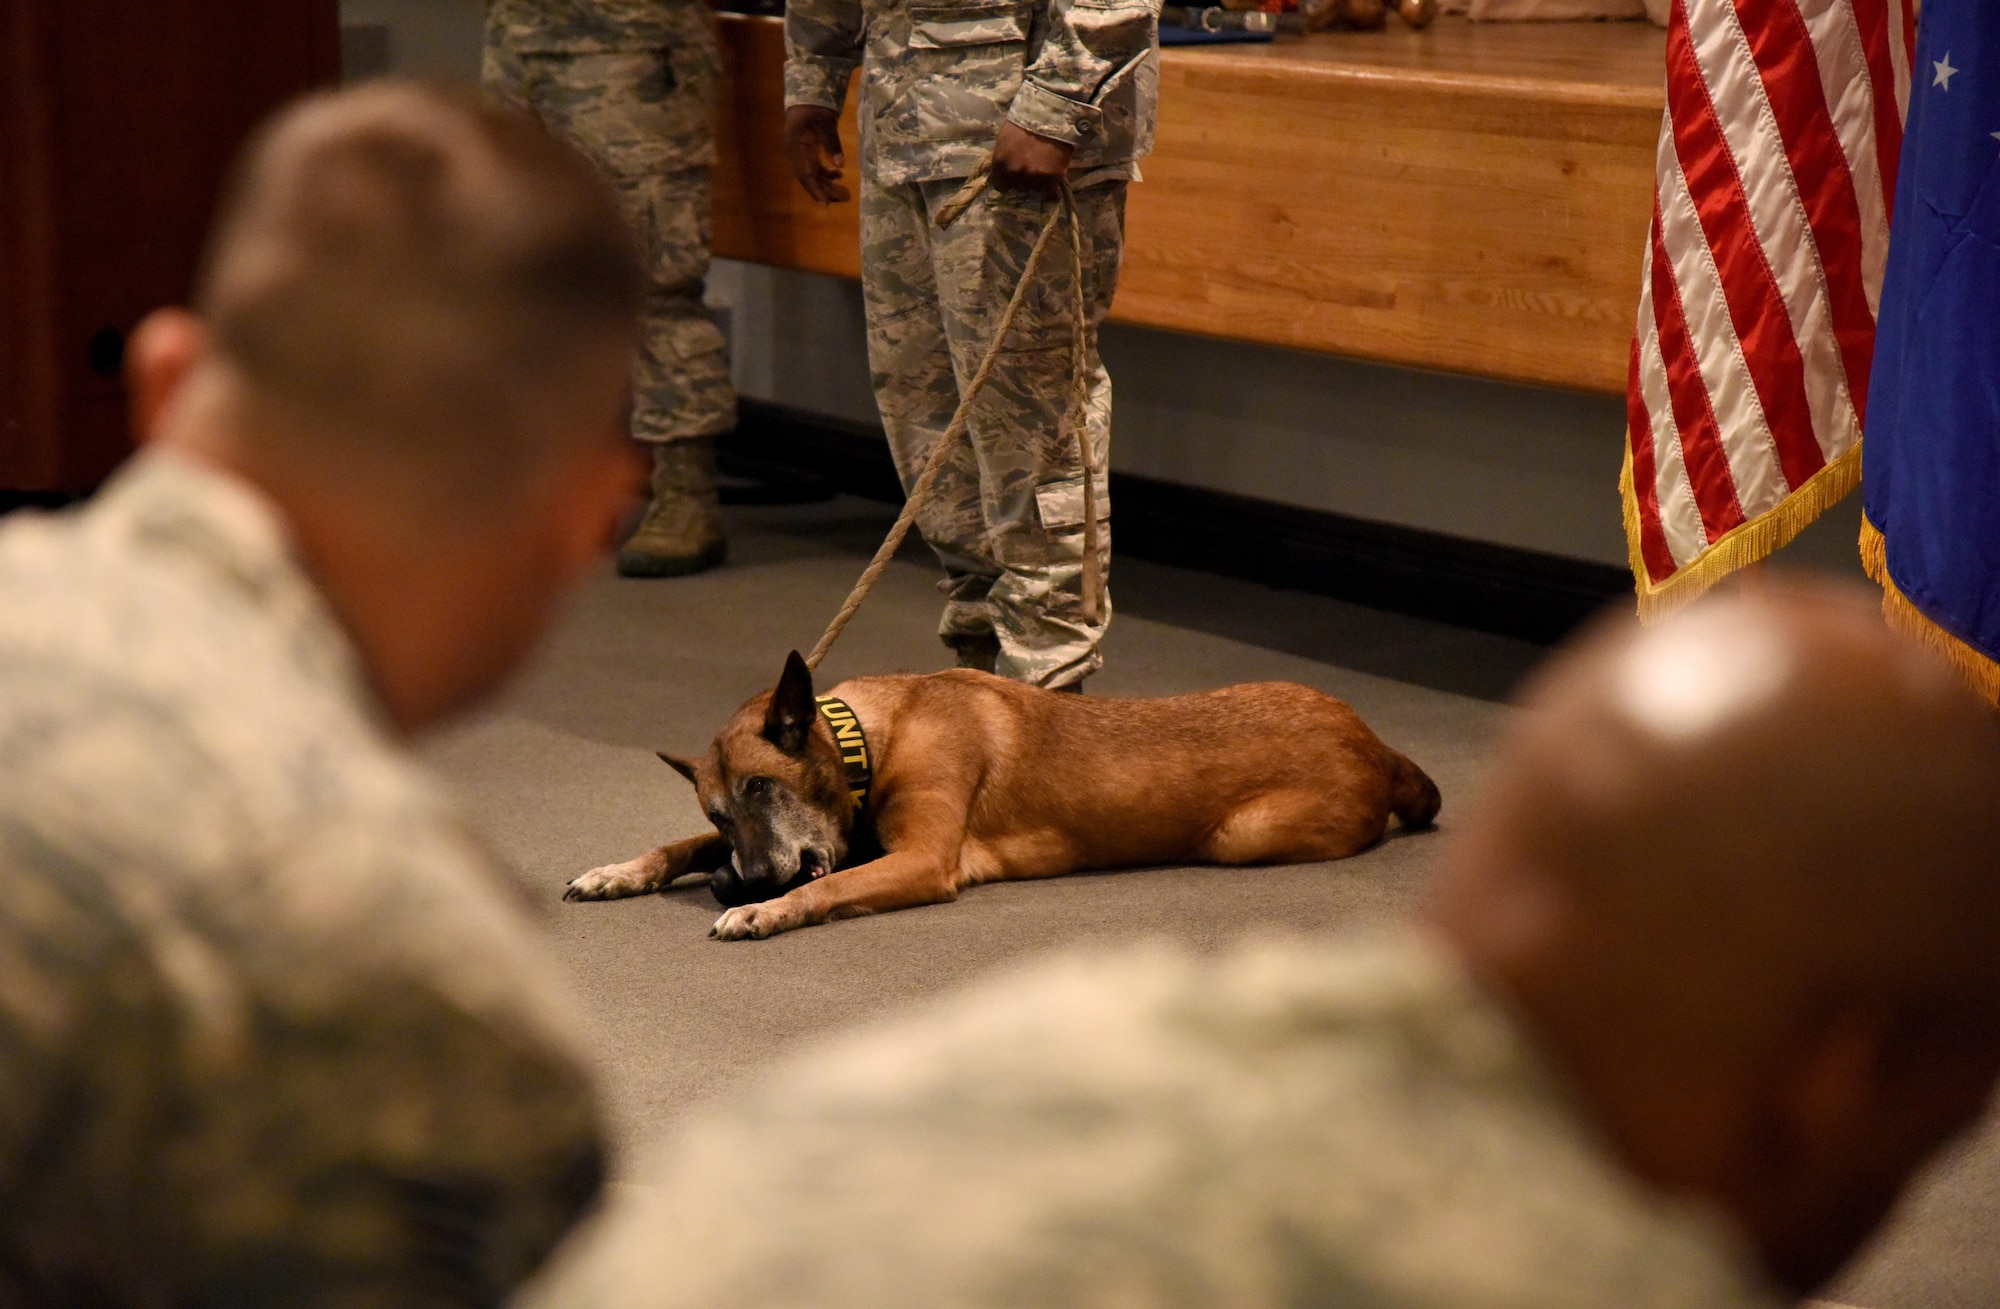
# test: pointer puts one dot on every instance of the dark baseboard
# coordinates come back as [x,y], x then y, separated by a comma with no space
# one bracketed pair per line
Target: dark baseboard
[1491,588]
[775,440]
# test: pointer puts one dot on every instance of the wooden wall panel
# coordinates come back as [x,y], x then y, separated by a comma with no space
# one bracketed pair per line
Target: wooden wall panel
[30,390]
[1471,198]
[133,113]
[761,213]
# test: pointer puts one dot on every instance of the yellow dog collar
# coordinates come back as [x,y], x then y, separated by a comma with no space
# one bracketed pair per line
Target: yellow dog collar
[853,743]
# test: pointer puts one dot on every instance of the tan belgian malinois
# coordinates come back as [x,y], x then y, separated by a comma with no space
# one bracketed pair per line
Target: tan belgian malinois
[900,791]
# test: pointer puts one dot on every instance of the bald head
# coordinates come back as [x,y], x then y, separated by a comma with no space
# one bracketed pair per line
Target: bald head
[1741,873]
[1773,787]
[405,275]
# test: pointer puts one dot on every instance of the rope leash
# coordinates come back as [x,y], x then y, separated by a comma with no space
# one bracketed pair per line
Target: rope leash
[1073,412]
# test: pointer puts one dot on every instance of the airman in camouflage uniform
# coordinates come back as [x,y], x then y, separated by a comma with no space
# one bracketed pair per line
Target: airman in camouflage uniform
[1293,1125]
[633,84]
[271,1029]
[938,82]
[274,1028]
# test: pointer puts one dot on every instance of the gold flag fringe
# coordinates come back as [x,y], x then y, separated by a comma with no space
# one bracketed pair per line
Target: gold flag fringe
[1741,546]
[1903,616]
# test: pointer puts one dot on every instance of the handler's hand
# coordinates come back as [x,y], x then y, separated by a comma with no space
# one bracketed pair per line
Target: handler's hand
[1023,161]
[812,141]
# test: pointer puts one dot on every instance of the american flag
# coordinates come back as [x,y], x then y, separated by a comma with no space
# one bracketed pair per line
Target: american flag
[1776,173]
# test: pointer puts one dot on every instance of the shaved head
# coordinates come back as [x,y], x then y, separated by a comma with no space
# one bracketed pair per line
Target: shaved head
[410,278]
[1742,873]
[413,340]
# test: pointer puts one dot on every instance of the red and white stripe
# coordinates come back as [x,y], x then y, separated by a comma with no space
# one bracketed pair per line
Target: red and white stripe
[1763,271]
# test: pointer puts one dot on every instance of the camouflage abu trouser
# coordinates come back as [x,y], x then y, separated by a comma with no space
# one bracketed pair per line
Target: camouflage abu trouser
[643,117]
[1006,514]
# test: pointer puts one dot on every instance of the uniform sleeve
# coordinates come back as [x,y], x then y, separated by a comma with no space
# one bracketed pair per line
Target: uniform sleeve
[1089,44]
[822,50]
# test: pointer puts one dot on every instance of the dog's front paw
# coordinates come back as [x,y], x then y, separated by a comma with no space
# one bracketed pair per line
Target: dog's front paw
[754,922]
[615,881]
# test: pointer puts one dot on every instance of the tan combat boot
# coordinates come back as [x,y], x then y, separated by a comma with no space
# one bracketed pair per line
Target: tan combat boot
[682,530]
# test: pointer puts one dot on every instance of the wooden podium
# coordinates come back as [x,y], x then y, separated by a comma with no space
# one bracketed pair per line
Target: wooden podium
[118,122]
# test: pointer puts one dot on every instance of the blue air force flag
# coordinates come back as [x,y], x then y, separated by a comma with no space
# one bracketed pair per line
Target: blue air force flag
[1931,459]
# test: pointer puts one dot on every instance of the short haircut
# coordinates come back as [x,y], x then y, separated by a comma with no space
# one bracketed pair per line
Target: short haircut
[416,277]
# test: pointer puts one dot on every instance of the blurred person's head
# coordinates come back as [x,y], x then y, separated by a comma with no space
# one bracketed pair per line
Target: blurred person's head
[1740,875]
[413,336]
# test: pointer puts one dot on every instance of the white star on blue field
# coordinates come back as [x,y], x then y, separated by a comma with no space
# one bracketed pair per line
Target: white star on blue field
[1945,72]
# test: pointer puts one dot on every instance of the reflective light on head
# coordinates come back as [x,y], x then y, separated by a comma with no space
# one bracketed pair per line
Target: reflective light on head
[1696,672]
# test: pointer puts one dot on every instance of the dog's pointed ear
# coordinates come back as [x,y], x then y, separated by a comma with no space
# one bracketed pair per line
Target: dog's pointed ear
[685,767]
[789,720]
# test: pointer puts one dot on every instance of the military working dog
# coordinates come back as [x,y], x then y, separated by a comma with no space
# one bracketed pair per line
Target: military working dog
[901,791]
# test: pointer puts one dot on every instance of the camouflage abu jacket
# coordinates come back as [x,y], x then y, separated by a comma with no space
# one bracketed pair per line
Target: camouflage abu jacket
[1351,1124]
[939,75]
[273,1028]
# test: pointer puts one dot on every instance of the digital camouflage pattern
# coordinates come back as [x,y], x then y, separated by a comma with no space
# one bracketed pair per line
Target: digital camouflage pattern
[1006,514]
[590,27]
[272,1030]
[633,84]
[937,80]
[1348,1125]
[939,75]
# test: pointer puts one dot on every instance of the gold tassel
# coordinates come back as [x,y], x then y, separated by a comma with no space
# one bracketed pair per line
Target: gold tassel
[1741,546]
[1903,616]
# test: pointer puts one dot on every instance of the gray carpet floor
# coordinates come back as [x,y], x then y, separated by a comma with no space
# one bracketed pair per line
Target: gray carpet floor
[561,777]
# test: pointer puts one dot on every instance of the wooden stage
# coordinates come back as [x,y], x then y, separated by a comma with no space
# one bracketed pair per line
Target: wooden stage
[1470,198]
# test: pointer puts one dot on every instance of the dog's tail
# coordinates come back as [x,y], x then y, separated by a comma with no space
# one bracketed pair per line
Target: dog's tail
[1412,794]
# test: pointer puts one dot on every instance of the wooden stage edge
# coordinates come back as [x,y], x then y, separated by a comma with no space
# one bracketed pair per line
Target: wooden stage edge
[1472,198]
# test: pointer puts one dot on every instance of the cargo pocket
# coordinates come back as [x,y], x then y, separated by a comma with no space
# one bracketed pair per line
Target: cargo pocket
[946,27]
[969,60]
[1061,505]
